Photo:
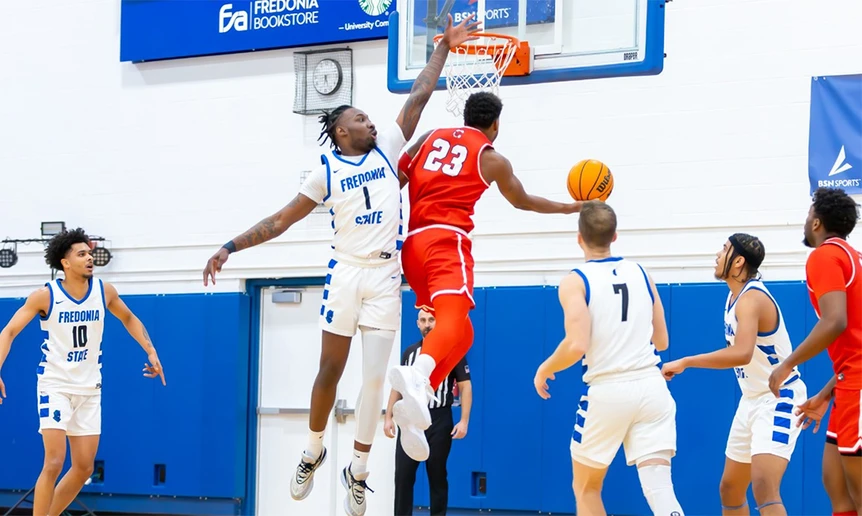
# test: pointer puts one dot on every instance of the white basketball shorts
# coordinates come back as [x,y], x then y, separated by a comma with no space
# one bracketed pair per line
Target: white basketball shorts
[766,424]
[639,414]
[361,296]
[77,415]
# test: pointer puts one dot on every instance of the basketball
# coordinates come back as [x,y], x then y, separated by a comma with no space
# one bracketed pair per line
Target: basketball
[590,179]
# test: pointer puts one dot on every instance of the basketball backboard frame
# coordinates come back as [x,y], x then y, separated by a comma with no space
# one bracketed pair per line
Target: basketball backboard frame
[552,62]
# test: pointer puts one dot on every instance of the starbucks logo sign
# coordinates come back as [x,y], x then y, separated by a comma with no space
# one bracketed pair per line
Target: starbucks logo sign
[375,7]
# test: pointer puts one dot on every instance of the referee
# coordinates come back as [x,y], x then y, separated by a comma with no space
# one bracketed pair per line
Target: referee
[439,434]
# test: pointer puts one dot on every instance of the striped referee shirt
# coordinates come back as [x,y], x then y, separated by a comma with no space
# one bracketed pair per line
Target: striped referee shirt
[461,373]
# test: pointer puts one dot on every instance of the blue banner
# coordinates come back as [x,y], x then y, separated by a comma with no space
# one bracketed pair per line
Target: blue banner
[835,133]
[165,29]
[498,13]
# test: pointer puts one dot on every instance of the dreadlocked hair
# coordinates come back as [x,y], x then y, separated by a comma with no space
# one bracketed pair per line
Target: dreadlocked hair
[837,211]
[755,250]
[328,120]
[61,243]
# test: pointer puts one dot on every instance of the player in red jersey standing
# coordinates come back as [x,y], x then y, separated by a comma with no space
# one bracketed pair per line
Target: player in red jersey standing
[448,170]
[834,276]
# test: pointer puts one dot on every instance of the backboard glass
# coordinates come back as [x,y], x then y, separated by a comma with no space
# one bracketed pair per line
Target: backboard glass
[571,39]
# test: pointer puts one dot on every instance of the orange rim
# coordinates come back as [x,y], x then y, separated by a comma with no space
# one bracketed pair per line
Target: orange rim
[474,48]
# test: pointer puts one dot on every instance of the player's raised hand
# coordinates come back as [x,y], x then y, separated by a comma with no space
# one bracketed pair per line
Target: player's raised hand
[214,265]
[540,382]
[812,411]
[454,36]
[672,368]
[154,368]
[2,391]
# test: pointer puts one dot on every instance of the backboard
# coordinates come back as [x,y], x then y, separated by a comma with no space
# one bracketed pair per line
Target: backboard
[570,39]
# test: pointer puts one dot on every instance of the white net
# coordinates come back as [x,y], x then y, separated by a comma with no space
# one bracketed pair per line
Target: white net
[476,65]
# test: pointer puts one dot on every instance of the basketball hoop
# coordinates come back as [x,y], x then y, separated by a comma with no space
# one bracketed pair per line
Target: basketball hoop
[477,65]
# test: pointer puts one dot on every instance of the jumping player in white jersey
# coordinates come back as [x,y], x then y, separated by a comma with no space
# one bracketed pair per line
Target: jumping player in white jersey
[764,432]
[72,312]
[614,320]
[357,181]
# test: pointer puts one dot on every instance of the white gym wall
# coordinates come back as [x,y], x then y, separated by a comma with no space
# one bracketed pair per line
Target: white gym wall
[168,160]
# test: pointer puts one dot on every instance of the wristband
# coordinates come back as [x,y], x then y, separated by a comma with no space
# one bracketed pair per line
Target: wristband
[230,246]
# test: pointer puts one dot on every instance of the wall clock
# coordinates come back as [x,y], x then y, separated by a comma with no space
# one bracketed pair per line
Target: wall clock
[327,76]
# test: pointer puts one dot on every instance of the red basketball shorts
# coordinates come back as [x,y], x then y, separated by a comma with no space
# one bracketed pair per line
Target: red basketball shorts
[438,260]
[845,422]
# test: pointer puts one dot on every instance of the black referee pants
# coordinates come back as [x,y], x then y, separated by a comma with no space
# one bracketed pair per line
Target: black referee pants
[439,436]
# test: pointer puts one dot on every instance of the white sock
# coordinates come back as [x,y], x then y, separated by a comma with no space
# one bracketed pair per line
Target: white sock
[359,464]
[425,364]
[658,490]
[315,444]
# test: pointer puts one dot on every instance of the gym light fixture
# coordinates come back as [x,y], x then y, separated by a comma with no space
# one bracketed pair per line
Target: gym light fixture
[9,253]
[101,256]
[8,257]
[50,229]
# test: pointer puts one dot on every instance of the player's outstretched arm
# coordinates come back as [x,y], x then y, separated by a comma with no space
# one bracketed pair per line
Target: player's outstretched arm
[496,168]
[36,303]
[748,311]
[826,279]
[578,327]
[136,329]
[263,231]
[833,321]
[425,83]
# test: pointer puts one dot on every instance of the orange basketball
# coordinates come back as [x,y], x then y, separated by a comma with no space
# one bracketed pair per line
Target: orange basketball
[590,179]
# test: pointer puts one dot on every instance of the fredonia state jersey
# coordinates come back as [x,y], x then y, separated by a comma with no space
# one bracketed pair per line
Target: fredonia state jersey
[621,306]
[770,348]
[363,194]
[72,352]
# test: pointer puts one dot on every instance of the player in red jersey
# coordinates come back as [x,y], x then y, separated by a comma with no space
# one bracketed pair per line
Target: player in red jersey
[834,276]
[448,170]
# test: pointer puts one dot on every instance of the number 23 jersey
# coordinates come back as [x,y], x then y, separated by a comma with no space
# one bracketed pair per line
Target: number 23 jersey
[446,178]
[72,351]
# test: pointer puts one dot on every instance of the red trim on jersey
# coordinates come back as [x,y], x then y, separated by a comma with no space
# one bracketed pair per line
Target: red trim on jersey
[404,164]
[479,165]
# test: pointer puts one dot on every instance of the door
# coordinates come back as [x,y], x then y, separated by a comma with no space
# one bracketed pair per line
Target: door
[289,358]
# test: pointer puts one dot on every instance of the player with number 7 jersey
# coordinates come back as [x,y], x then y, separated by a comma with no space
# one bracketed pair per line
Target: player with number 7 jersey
[448,171]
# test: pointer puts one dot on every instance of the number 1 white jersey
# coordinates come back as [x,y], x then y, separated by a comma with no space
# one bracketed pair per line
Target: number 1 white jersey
[71,360]
[621,307]
[363,194]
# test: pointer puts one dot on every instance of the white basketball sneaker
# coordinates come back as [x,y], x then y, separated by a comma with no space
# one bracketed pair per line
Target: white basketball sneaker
[413,441]
[415,392]
[354,502]
[303,479]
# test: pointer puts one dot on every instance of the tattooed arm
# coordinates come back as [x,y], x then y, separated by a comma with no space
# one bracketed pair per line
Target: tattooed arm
[265,230]
[275,224]
[426,82]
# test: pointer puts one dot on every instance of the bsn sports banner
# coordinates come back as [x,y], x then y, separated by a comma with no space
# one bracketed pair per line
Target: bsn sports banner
[835,133]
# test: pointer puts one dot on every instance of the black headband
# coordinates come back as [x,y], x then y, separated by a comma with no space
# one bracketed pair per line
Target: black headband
[750,259]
